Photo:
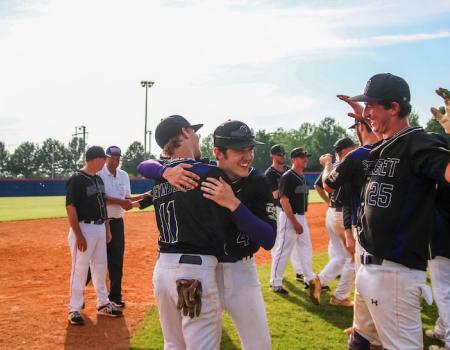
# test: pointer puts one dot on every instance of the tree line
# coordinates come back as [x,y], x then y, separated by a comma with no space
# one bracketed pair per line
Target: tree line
[53,159]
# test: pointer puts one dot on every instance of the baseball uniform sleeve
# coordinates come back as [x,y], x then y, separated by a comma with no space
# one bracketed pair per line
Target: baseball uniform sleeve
[285,185]
[73,190]
[341,174]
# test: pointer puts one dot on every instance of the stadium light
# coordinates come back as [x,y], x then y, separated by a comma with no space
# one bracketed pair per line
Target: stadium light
[147,84]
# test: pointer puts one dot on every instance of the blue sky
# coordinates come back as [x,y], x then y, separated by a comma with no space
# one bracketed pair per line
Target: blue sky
[271,64]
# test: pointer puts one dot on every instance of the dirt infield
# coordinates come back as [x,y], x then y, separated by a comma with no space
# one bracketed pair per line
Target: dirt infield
[34,283]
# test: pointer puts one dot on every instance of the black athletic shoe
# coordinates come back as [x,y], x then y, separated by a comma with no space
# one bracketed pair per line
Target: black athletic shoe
[75,318]
[299,277]
[119,304]
[326,289]
[109,310]
[279,290]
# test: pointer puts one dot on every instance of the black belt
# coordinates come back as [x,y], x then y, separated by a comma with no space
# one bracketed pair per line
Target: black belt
[94,222]
[233,259]
[112,219]
[190,259]
[367,259]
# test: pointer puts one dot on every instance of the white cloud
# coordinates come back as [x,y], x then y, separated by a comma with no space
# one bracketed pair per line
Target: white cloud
[66,63]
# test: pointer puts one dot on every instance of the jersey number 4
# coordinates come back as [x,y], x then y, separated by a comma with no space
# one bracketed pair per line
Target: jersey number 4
[169,225]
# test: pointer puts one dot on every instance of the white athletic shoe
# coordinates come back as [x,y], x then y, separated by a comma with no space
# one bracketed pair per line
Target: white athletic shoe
[431,333]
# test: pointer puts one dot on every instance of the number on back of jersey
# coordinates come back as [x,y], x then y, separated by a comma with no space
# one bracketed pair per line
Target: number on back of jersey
[169,225]
[379,194]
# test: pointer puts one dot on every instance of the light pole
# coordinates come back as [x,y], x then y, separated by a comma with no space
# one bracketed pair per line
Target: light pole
[147,84]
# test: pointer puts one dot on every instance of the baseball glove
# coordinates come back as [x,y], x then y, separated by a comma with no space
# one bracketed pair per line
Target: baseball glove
[189,297]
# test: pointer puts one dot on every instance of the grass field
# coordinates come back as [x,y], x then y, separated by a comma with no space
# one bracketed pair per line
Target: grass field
[294,322]
[26,208]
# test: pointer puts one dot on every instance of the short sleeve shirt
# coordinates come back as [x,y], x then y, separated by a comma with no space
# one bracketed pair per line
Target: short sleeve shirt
[115,187]
[295,188]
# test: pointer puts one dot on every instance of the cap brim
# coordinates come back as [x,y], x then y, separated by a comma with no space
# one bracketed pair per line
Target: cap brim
[353,126]
[242,144]
[364,98]
[196,127]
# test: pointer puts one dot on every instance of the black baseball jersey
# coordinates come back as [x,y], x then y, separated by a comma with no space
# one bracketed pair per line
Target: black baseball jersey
[399,195]
[274,176]
[335,197]
[254,192]
[87,193]
[295,188]
[188,222]
[352,170]
[440,237]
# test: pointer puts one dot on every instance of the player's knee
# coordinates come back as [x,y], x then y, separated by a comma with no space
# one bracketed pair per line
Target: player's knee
[358,342]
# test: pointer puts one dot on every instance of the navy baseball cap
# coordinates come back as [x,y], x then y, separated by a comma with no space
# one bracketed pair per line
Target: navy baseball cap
[343,144]
[234,134]
[278,150]
[94,152]
[170,127]
[385,87]
[113,151]
[299,153]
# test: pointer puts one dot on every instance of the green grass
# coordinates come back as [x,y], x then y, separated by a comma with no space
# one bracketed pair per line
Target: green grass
[294,322]
[26,208]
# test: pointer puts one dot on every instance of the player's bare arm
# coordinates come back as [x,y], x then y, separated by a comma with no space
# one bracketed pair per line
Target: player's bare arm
[220,192]
[108,232]
[126,203]
[443,115]
[326,161]
[286,205]
[73,221]
[322,193]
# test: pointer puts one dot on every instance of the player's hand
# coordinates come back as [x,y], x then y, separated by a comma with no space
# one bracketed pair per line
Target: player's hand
[443,115]
[326,159]
[126,204]
[298,227]
[147,194]
[220,192]
[357,107]
[81,243]
[181,178]
[350,243]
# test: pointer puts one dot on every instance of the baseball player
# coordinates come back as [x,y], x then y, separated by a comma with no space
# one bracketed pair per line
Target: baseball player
[191,235]
[440,251]
[250,200]
[396,212]
[293,225]
[273,174]
[88,234]
[340,262]
[118,199]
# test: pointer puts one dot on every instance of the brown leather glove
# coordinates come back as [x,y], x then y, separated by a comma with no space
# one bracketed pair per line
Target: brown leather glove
[189,297]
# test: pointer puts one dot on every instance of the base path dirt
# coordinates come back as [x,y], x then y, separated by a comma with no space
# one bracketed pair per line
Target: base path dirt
[34,283]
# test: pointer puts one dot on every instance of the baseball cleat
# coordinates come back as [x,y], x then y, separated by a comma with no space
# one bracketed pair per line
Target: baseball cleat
[118,304]
[279,290]
[109,310]
[431,333]
[75,318]
[341,302]
[299,277]
[314,290]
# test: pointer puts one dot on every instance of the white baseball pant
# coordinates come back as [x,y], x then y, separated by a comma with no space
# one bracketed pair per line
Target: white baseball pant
[241,296]
[295,260]
[95,257]
[281,254]
[340,262]
[391,293]
[440,283]
[183,332]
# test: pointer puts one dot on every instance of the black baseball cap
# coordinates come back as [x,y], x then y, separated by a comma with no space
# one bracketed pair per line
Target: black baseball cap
[95,152]
[234,134]
[113,151]
[357,122]
[170,127]
[299,152]
[342,144]
[385,87]
[278,150]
